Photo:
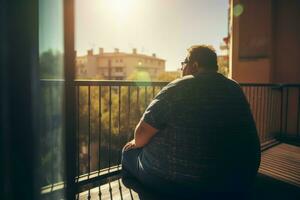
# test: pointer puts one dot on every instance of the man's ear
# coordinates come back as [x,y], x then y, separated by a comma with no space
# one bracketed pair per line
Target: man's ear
[195,67]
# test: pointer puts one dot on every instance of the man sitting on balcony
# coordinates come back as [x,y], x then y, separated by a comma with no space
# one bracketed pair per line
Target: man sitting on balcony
[198,132]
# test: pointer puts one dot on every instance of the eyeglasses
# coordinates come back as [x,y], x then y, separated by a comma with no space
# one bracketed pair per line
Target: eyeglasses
[185,62]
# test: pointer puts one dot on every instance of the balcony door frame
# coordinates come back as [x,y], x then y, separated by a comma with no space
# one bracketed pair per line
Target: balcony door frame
[20,99]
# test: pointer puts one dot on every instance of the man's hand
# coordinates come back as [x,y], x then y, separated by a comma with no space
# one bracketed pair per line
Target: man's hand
[129,145]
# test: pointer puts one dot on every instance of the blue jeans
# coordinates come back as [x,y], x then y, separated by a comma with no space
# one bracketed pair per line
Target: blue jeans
[133,167]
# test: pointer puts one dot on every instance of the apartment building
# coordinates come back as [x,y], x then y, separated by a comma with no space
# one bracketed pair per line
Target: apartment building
[117,65]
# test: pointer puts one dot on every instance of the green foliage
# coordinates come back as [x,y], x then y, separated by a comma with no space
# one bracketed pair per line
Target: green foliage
[223,66]
[168,76]
[108,116]
[51,64]
[51,149]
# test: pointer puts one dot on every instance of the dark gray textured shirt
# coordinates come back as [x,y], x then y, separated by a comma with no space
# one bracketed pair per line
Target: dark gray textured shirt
[206,130]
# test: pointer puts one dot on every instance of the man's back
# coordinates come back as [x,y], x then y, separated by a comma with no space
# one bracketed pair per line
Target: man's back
[206,131]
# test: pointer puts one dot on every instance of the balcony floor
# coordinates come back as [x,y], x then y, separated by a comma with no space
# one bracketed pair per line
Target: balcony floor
[278,178]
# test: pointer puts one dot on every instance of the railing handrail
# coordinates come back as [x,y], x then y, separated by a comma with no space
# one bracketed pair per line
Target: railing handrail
[81,82]
[279,85]
[98,82]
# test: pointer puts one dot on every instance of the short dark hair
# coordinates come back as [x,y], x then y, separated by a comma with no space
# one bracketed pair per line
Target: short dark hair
[205,56]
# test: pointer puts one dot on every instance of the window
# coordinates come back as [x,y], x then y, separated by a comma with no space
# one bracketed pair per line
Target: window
[118,69]
[52,93]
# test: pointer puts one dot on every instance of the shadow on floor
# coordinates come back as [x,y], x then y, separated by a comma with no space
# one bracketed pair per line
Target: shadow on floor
[264,188]
[148,194]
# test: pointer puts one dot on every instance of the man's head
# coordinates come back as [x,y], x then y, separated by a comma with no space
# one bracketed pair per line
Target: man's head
[200,58]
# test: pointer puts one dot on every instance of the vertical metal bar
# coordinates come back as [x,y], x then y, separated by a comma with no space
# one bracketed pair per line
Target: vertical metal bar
[52,135]
[138,98]
[120,189]
[89,130]
[109,130]
[244,90]
[249,100]
[89,194]
[286,110]
[128,113]
[119,127]
[272,108]
[255,103]
[99,128]
[298,112]
[78,132]
[281,109]
[267,95]
[260,91]
[263,126]
[246,93]
[274,111]
[99,193]
[131,196]
[278,111]
[146,98]
[153,91]
[262,107]
[269,115]
[110,190]
[258,112]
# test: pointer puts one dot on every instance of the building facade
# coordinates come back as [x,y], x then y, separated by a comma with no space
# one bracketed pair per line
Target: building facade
[264,41]
[117,65]
[264,48]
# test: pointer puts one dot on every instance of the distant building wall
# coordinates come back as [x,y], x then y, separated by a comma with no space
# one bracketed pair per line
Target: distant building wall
[117,65]
[265,42]
[247,38]
[287,41]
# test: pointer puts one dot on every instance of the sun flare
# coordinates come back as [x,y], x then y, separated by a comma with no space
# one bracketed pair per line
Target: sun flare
[120,9]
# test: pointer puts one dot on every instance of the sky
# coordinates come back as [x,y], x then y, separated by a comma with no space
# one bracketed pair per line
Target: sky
[164,27]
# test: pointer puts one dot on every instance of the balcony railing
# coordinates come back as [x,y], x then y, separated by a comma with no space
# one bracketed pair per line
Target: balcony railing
[108,111]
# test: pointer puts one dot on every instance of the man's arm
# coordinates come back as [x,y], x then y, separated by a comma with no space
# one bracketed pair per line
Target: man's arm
[154,119]
[142,135]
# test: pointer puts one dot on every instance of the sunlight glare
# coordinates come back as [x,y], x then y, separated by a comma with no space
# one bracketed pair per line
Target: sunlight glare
[142,76]
[120,9]
[238,9]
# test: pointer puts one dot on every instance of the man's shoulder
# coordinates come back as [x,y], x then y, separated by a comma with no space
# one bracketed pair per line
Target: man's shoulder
[174,86]
[227,81]
[233,83]
[181,81]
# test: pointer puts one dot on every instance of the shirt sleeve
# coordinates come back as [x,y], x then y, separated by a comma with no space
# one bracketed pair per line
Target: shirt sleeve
[158,111]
